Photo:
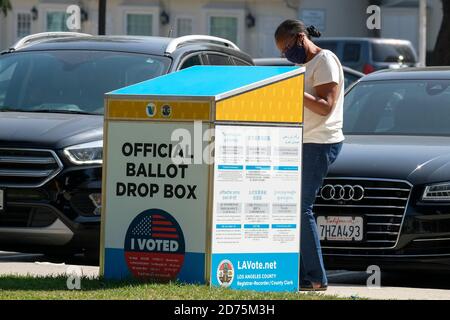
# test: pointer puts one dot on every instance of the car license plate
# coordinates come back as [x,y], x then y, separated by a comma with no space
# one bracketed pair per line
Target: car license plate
[2,200]
[334,228]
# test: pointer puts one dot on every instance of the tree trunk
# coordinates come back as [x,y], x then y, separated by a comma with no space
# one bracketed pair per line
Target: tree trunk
[441,54]
[101,17]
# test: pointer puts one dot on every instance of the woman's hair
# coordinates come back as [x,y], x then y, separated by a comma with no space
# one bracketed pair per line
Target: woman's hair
[292,27]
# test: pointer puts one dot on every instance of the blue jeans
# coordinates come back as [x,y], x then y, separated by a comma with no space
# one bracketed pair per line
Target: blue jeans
[316,160]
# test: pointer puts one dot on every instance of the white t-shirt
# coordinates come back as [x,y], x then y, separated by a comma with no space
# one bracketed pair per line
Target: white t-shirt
[324,68]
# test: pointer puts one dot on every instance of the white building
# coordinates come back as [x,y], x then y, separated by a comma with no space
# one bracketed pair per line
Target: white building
[250,23]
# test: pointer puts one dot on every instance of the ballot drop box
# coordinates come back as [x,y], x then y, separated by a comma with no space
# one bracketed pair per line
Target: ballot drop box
[202,178]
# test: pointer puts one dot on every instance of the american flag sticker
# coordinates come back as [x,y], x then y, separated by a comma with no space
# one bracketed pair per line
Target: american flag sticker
[154,246]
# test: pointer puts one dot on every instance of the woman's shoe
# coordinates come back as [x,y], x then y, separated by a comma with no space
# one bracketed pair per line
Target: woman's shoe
[310,287]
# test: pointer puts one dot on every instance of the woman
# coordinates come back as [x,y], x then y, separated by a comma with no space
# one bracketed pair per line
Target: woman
[322,135]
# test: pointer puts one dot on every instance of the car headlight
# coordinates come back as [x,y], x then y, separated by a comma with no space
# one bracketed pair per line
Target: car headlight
[437,192]
[86,153]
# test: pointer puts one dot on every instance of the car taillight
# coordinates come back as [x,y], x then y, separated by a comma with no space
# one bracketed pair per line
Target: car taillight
[368,68]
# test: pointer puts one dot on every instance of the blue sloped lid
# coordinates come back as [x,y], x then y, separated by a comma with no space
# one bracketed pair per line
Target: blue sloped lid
[204,81]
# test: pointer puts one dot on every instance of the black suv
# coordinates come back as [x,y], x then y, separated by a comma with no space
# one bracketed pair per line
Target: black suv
[51,127]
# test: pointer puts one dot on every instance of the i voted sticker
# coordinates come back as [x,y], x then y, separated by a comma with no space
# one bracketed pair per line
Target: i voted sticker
[154,246]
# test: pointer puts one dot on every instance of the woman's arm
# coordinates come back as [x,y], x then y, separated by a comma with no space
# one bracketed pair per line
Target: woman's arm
[327,95]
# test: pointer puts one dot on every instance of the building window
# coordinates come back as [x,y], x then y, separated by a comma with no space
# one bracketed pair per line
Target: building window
[139,24]
[23,24]
[56,21]
[224,27]
[184,26]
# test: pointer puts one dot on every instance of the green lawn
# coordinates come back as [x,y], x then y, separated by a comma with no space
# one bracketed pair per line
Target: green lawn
[31,288]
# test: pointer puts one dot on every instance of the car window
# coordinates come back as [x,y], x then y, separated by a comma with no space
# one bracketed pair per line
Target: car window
[352,52]
[389,52]
[66,80]
[191,61]
[349,79]
[6,73]
[219,60]
[240,62]
[401,107]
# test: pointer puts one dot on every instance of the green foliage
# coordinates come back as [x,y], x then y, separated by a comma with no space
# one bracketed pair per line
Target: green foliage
[5,6]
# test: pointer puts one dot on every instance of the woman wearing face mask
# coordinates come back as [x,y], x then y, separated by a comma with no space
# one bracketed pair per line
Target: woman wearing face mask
[323,137]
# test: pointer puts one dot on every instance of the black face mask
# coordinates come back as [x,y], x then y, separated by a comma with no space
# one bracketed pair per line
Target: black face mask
[296,54]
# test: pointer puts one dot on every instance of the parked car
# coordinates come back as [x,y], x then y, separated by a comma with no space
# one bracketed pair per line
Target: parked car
[51,127]
[386,200]
[350,75]
[371,54]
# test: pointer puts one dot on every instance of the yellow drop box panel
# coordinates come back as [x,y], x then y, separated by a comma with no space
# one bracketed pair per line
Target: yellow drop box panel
[202,178]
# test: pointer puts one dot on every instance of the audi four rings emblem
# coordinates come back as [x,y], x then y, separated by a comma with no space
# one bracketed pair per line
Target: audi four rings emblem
[342,192]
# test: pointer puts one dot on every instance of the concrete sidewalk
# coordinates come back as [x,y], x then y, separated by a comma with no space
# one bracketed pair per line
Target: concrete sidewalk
[46,269]
[388,293]
[342,290]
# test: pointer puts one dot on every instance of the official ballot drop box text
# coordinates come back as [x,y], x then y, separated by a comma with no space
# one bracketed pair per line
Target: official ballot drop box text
[202,178]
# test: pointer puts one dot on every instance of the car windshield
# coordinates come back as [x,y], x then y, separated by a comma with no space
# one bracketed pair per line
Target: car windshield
[390,52]
[398,107]
[70,81]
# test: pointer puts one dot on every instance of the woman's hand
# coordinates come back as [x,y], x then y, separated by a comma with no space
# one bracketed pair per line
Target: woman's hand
[325,100]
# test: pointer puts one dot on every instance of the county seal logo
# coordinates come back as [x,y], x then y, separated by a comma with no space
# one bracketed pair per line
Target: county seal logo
[225,273]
